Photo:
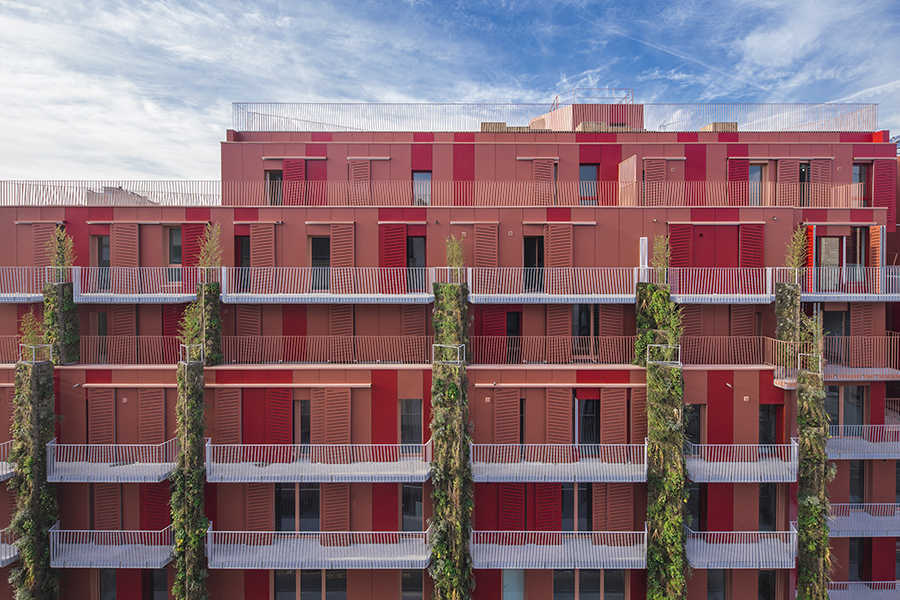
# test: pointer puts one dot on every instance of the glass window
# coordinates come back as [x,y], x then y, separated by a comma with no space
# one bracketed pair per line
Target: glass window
[715,584]
[274,184]
[103,251]
[563,584]
[568,506]
[588,176]
[692,421]
[767,506]
[513,584]
[857,481]
[854,398]
[335,584]
[285,585]
[416,281]
[305,427]
[768,424]
[320,251]
[174,245]
[410,421]
[589,428]
[766,586]
[158,584]
[590,584]
[897,485]
[107,584]
[585,504]
[412,507]
[411,587]
[693,505]
[613,584]
[755,183]
[833,404]
[310,585]
[861,177]
[309,507]
[421,188]
[285,509]
[856,566]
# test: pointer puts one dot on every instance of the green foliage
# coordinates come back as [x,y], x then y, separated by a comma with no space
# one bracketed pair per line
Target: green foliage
[201,323]
[455,253]
[795,256]
[210,254]
[61,248]
[659,261]
[31,329]
[787,311]
[61,322]
[189,523]
[36,508]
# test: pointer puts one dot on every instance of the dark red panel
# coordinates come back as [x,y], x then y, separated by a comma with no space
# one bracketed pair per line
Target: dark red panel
[884,552]
[591,393]
[603,376]
[96,229]
[210,498]
[320,136]
[721,497]
[727,246]
[695,162]
[464,136]
[720,407]
[768,393]
[687,137]
[385,501]
[98,376]
[253,416]
[511,506]
[76,226]
[256,585]
[547,507]
[101,213]
[421,157]
[155,513]
[729,136]
[246,214]
[876,396]
[610,157]
[196,213]
[426,404]
[738,150]
[862,215]
[485,517]
[703,214]
[488,584]
[639,577]
[559,213]
[423,136]
[394,213]
[317,150]
[854,136]
[191,238]
[293,319]
[254,376]
[279,377]
[815,215]
[384,406]
[728,214]
[128,584]
[316,170]
[464,160]
[413,214]
[279,410]
[588,154]
[228,376]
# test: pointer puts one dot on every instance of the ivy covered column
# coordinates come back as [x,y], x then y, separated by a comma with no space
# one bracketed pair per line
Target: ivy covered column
[451,473]
[61,323]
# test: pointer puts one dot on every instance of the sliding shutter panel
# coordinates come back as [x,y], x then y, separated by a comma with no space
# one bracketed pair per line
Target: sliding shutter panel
[122,333]
[260,502]
[486,253]
[820,182]
[691,320]
[628,189]
[743,320]
[884,183]
[559,332]
[152,420]
[392,258]
[340,328]
[228,416]
[511,499]
[294,176]
[494,345]
[614,412]
[280,408]
[343,248]
[738,181]
[191,239]
[558,418]
[41,234]
[262,258]
[788,182]
[337,420]
[107,505]
[155,512]
[559,258]
[413,331]
[752,247]
[681,244]
[638,415]
[655,182]
[123,258]
[543,181]
[101,416]
[507,425]
[335,508]
[359,182]
[248,327]
[547,507]
[859,347]
[599,515]
[620,504]
[876,258]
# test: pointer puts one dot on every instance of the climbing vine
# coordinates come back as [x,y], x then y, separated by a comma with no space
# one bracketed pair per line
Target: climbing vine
[659,324]
[60,312]
[201,324]
[451,565]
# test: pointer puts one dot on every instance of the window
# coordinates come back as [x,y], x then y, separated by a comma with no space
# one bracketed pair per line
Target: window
[856,562]
[174,245]
[285,508]
[593,584]
[857,481]
[768,424]
[310,585]
[107,584]
[156,584]
[804,184]
[861,178]
[320,261]
[285,585]
[589,421]
[309,507]
[715,584]
[588,176]
[411,507]
[410,421]
[421,188]
[274,184]
[590,584]
[242,260]
[563,584]
[694,504]
[768,495]
[693,417]
[335,585]
[755,184]
[513,584]
[577,501]
[534,263]
[103,263]
[766,585]
[305,436]
[845,404]
[313,582]
[416,279]
[613,584]
[411,586]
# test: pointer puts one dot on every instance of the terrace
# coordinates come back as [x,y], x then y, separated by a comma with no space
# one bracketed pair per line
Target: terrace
[742,463]
[110,549]
[393,349]
[863,590]
[111,463]
[559,549]
[864,442]
[864,520]
[559,462]
[742,549]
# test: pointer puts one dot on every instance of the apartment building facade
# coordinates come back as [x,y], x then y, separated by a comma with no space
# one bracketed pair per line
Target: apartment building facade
[334,220]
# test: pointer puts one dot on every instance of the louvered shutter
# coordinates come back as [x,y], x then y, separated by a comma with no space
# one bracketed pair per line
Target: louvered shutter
[335,425]
[192,235]
[628,182]
[511,500]
[559,332]
[599,515]
[507,424]
[294,181]
[638,415]
[558,418]
[359,182]
[820,182]
[611,320]
[743,320]
[248,327]
[486,253]
[392,258]
[655,182]
[858,349]
[884,183]
[681,244]
[614,414]
[620,506]
[107,503]
[41,234]
[412,329]
[861,322]
[340,328]
[122,332]
[152,420]
[691,320]
[810,256]
[738,181]
[123,258]
[547,507]
[262,258]
[155,512]
[335,507]
[559,258]
[343,249]
[280,408]
[876,258]
[171,318]
[788,182]
[751,246]
[101,416]
[228,416]
[495,345]
[7,409]
[542,170]
[259,499]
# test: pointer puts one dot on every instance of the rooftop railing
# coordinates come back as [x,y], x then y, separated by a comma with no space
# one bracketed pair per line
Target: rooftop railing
[110,549]
[494,350]
[558,549]
[742,549]
[542,285]
[742,463]
[863,590]
[559,462]
[864,442]
[318,463]
[394,349]
[9,553]
[129,350]
[111,463]
[317,550]
[864,520]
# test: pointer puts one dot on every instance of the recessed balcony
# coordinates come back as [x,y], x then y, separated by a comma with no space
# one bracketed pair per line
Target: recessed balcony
[560,349]
[741,463]
[111,463]
[558,549]
[318,463]
[317,550]
[709,285]
[850,284]
[864,520]
[318,350]
[138,285]
[129,350]
[110,549]
[863,590]
[864,442]
[575,285]
[742,549]
[559,462]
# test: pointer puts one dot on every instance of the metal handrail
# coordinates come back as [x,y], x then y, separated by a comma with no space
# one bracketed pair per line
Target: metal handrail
[327,349]
[559,462]
[559,549]
[111,462]
[110,549]
[742,462]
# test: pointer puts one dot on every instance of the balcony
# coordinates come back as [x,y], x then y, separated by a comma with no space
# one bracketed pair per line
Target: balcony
[9,553]
[710,285]
[317,550]
[318,463]
[558,350]
[312,285]
[558,549]
[741,463]
[865,520]
[559,463]
[577,285]
[864,442]
[323,350]
[850,284]
[26,284]
[742,549]
[863,590]
[129,350]
[137,285]
[110,463]
[110,549]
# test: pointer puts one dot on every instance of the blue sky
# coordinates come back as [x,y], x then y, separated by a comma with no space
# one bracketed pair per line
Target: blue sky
[143,90]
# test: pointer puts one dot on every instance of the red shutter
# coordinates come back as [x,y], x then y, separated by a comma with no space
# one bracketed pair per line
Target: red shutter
[101,416]
[486,253]
[262,258]
[280,408]
[788,182]
[413,331]
[248,320]
[228,415]
[875,257]
[638,415]
[494,347]
[392,257]
[123,245]
[317,416]
[7,409]
[559,415]
[884,183]
[359,182]
[559,331]
[155,512]
[743,320]
[628,181]
[191,238]
[507,425]
[171,318]
[820,182]
[681,244]
[342,258]
[259,499]
[337,416]
[655,181]
[547,507]
[861,320]
[620,506]
[151,416]
[738,181]
[612,319]
[107,504]
[543,181]
[294,181]
[335,506]
[41,234]
[559,258]
[511,499]
[340,328]
[600,507]
[751,245]
[691,320]
[614,412]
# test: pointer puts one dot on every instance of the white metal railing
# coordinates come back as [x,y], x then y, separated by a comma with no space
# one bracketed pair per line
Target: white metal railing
[559,549]
[9,553]
[580,284]
[559,462]
[863,590]
[327,349]
[851,281]
[110,285]
[317,550]
[111,462]
[742,463]
[110,549]
[863,442]
[715,284]
[865,520]
[323,284]
[742,549]
[129,350]
[318,463]
[556,349]
[26,284]
[6,469]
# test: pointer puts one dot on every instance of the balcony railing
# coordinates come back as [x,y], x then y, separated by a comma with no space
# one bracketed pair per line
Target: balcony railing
[111,463]
[26,284]
[110,549]
[865,520]
[558,549]
[318,463]
[559,462]
[560,285]
[850,283]
[500,350]
[129,350]
[741,463]
[9,553]
[6,469]
[742,549]
[130,285]
[317,550]
[723,350]
[721,285]
[863,590]
[393,349]
[864,442]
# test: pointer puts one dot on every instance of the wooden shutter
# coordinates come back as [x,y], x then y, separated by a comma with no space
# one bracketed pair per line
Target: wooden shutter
[335,507]
[628,182]
[654,181]
[861,319]
[559,331]
[599,510]
[262,258]
[101,416]
[280,409]
[820,182]
[884,183]
[412,328]
[691,320]
[558,416]
[611,319]
[41,234]
[751,246]
[343,249]
[486,253]
[559,258]
[248,320]
[317,416]
[506,416]
[542,170]
[620,504]
[107,504]
[294,181]
[788,182]
[151,416]
[228,415]
[337,416]
[738,181]
[155,512]
[614,412]
[123,245]
[638,415]
[547,507]
[876,258]
[681,244]
[743,320]
[359,182]
[511,500]
[259,498]
[340,328]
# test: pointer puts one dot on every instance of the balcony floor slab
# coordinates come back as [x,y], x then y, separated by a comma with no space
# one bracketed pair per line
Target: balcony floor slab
[538,298]
[570,554]
[327,298]
[583,470]
[306,553]
[113,556]
[764,470]
[411,471]
[107,298]
[8,554]
[765,554]
[88,472]
[860,523]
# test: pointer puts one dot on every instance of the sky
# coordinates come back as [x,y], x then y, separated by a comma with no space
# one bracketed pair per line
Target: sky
[110,89]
